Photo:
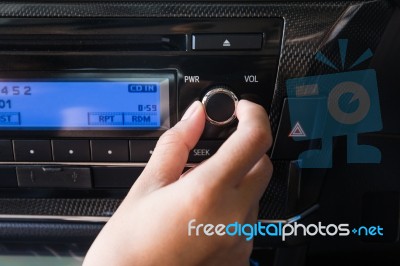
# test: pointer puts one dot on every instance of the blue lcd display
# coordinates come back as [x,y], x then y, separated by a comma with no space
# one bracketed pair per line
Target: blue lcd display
[85,104]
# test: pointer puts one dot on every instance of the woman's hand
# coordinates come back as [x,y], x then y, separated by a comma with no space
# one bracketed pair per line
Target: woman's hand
[151,227]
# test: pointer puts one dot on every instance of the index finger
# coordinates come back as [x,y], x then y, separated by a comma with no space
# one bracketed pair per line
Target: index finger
[243,149]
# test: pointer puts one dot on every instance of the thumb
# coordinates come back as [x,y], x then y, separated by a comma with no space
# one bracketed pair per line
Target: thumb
[172,150]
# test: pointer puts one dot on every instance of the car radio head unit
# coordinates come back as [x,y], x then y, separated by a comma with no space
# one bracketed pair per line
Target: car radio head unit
[84,101]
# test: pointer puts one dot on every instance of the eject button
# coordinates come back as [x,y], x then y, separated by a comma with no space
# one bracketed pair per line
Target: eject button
[246,41]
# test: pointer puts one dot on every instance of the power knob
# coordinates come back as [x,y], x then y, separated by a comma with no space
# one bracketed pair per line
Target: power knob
[220,106]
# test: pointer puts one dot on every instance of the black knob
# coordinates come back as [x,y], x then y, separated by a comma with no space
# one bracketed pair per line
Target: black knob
[220,105]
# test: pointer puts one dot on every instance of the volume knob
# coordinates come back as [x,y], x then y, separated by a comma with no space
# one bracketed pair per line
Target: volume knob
[220,105]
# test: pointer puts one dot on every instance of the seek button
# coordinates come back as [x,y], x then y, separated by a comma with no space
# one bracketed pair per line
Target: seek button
[204,150]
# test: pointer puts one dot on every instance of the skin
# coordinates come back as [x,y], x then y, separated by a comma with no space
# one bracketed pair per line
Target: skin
[151,225]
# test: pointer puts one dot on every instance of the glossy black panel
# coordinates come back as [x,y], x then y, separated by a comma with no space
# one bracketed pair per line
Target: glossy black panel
[6,151]
[115,177]
[8,177]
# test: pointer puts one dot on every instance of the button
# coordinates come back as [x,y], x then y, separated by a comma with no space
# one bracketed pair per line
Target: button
[10,118]
[54,177]
[285,147]
[227,41]
[204,150]
[105,118]
[71,150]
[220,105]
[110,150]
[32,150]
[115,177]
[8,177]
[141,150]
[6,153]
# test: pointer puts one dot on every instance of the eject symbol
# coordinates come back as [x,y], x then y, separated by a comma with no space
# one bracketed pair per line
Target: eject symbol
[226,43]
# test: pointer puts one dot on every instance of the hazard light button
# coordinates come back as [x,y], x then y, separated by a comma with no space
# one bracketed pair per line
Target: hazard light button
[285,147]
[229,41]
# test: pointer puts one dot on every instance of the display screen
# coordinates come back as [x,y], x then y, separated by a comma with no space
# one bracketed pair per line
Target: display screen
[85,104]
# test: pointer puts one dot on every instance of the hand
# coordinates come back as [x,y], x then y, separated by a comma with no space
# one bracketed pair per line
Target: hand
[151,225]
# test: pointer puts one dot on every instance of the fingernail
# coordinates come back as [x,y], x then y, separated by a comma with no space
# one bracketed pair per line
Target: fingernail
[190,111]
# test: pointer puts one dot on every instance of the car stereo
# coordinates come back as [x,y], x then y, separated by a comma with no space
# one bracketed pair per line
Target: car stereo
[83,101]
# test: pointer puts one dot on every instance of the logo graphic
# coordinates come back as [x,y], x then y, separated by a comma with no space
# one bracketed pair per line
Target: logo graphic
[281,230]
[340,104]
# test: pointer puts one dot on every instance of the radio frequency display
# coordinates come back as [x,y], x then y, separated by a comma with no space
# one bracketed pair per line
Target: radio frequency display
[85,104]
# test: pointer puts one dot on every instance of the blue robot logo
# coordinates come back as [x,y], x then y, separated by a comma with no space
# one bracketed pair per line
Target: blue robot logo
[340,104]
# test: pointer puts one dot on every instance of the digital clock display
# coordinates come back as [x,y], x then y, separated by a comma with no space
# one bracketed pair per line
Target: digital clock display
[84,104]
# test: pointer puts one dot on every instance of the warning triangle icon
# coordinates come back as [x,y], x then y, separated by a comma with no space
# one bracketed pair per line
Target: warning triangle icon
[297,131]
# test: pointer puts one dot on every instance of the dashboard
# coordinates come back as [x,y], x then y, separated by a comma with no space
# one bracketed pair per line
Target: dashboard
[87,88]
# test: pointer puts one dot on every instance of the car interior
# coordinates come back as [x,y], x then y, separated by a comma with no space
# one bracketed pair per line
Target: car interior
[88,87]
